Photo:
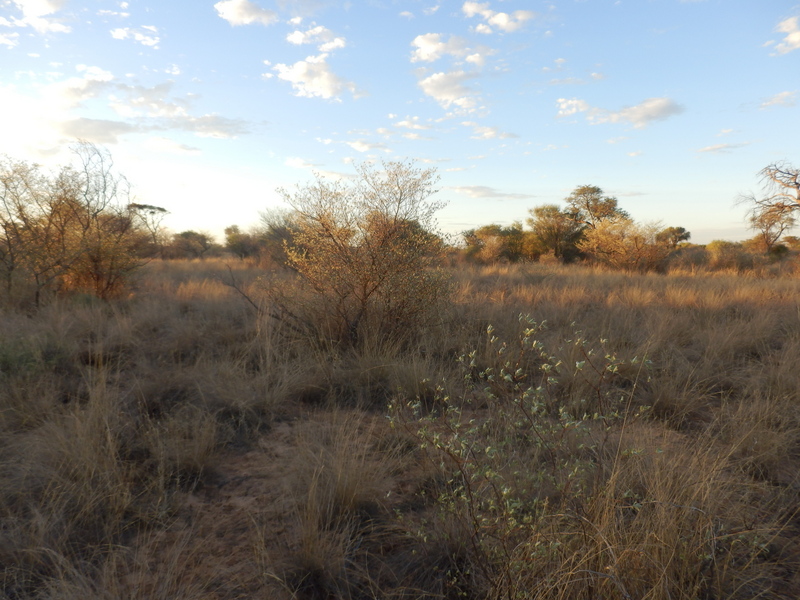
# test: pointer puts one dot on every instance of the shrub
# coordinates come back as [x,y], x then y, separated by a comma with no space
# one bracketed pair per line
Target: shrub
[366,254]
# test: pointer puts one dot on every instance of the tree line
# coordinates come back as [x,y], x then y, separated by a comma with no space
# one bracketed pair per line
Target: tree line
[78,230]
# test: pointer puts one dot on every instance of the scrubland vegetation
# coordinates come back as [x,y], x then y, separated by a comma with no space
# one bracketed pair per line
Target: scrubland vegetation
[628,436]
[367,414]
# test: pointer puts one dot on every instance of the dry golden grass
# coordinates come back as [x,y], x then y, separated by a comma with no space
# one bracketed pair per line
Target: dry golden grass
[672,473]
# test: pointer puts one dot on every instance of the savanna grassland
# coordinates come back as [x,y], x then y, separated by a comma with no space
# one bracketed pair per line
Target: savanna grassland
[555,432]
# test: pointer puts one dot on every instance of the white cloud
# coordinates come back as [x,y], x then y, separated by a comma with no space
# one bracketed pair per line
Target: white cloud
[640,115]
[482,191]
[569,107]
[430,10]
[317,35]
[791,27]
[500,20]
[448,90]
[722,148]
[33,16]
[482,132]
[146,35]
[244,12]
[150,102]
[410,123]
[364,146]
[113,13]
[97,131]
[430,47]
[313,77]
[39,8]
[10,39]
[782,99]
[415,136]
[407,14]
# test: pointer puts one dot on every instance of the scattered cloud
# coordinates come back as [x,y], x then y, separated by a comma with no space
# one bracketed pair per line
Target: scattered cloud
[448,90]
[569,107]
[617,140]
[724,132]
[482,191]
[407,14]
[639,116]
[139,101]
[723,148]
[34,15]
[244,12]
[146,35]
[482,132]
[317,35]
[410,123]
[500,20]
[791,27]
[782,99]
[10,39]
[430,10]
[313,78]
[98,131]
[430,47]
[364,146]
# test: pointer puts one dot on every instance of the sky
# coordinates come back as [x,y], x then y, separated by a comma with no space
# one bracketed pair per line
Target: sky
[209,106]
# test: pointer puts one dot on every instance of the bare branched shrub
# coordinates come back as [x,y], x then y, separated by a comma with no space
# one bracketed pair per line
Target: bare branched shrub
[623,244]
[366,254]
[72,230]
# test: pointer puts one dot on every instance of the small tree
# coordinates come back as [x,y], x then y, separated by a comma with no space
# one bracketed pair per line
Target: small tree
[770,223]
[589,206]
[492,243]
[673,236]
[190,244]
[150,219]
[364,249]
[624,244]
[71,228]
[243,244]
[276,230]
[556,231]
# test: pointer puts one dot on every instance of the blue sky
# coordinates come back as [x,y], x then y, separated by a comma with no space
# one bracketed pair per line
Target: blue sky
[672,106]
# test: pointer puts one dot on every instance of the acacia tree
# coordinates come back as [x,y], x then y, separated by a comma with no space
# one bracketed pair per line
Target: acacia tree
[365,252]
[589,206]
[494,242]
[150,219]
[772,211]
[770,223]
[673,236]
[556,230]
[71,228]
[780,189]
[624,244]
